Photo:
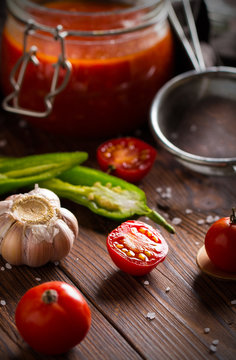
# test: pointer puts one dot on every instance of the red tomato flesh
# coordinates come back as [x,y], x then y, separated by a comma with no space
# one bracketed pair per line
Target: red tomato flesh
[53,327]
[128,158]
[220,244]
[136,248]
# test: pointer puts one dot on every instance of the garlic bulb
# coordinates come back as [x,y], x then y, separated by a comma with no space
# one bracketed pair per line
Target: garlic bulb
[34,229]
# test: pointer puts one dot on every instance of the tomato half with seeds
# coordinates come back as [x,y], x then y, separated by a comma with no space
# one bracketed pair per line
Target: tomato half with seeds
[128,158]
[136,247]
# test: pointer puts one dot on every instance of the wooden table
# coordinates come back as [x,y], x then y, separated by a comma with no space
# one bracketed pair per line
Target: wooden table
[184,300]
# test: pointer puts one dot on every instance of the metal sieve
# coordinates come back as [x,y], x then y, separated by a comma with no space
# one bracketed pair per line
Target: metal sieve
[193,116]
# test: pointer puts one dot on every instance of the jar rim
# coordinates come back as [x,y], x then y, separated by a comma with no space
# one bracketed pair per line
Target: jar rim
[158,11]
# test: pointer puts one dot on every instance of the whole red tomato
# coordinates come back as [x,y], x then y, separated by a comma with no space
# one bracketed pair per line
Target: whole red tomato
[220,243]
[53,317]
[128,158]
[136,248]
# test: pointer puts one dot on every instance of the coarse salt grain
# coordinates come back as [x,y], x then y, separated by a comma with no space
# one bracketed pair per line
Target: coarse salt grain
[209,219]
[213,348]
[150,315]
[197,243]
[176,221]
[206,330]
[188,211]
[166,195]
[215,342]
[233,302]
[8,266]
[2,268]
[201,221]
[56,263]
[38,279]
[3,302]
[146,282]
[167,289]
[159,189]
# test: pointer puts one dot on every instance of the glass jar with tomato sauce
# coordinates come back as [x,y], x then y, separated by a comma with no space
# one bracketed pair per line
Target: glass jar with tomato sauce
[87,68]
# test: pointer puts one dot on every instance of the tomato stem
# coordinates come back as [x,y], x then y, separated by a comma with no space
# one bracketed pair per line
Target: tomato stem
[50,296]
[233,217]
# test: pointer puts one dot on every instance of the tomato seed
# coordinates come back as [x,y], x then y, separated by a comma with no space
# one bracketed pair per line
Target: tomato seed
[146,252]
[119,246]
[142,257]
[130,253]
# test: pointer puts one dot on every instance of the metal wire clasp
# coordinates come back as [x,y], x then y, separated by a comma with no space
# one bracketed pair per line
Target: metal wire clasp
[11,102]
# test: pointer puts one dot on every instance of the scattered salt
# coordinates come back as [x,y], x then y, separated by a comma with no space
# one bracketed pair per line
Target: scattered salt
[213,348]
[146,282]
[201,221]
[197,243]
[8,266]
[215,342]
[159,189]
[233,302]
[166,195]
[206,330]
[167,289]
[2,268]
[56,263]
[38,279]
[176,221]
[209,219]
[150,315]
[188,211]
[3,302]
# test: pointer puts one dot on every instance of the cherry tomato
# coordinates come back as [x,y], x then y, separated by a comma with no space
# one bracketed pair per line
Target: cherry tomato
[53,317]
[136,248]
[220,243]
[128,158]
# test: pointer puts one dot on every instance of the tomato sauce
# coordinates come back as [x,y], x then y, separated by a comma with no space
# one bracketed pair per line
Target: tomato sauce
[113,80]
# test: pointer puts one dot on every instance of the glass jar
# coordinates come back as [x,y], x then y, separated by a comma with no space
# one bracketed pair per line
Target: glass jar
[85,68]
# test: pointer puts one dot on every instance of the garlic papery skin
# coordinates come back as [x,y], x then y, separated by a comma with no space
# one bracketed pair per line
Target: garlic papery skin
[34,229]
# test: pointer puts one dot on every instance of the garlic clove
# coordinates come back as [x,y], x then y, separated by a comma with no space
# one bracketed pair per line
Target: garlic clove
[48,194]
[37,251]
[70,220]
[6,221]
[5,206]
[11,246]
[63,241]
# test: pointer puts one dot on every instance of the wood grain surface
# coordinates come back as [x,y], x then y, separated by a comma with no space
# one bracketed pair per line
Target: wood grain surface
[185,301]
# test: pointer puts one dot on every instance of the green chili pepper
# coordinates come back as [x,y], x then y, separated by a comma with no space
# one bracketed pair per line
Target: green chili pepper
[19,172]
[104,194]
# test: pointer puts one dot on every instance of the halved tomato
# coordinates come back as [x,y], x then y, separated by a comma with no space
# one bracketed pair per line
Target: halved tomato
[136,247]
[128,158]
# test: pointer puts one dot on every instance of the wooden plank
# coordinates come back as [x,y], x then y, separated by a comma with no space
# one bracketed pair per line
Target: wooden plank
[102,341]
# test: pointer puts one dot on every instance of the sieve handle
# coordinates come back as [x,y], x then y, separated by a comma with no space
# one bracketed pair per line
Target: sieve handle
[195,56]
